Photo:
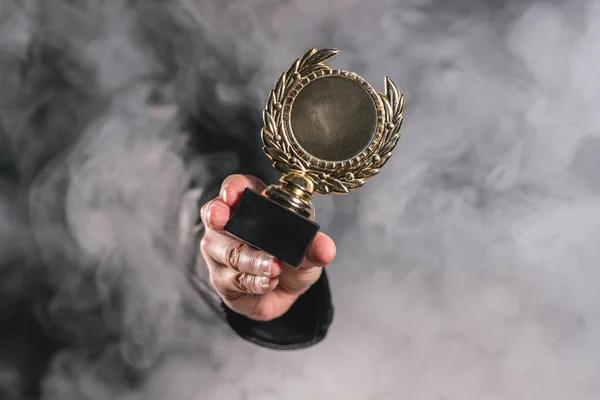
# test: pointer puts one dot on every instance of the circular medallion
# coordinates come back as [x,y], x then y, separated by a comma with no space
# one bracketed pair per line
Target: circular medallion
[333,118]
[330,126]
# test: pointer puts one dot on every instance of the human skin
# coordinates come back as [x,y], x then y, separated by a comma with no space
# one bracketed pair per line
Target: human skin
[252,282]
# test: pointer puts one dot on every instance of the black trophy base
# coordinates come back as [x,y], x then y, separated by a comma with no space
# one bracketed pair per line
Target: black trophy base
[268,226]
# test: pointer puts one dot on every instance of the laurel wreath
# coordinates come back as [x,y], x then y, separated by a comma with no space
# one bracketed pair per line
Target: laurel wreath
[278,148]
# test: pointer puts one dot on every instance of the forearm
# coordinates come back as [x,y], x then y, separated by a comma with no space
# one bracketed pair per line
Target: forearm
[304,324]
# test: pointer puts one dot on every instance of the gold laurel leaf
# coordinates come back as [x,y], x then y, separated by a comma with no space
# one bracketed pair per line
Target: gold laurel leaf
[322,187]
[398,121]
[336,184]
[305,57]
[366,173]
[388,107]
[389,146]
[294,68]
[264,131]
[400,107]
[384,159]
[355,183]
[277,154]
[321,56]
[315,68]
[269,122]
[272,100]
[391,92]
[280,86]
[268,141]
[283,143]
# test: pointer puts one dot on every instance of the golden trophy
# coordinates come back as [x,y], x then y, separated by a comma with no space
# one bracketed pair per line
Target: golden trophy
[326,131]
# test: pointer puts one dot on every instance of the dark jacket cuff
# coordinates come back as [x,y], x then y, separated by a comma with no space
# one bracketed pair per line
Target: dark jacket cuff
[305,324]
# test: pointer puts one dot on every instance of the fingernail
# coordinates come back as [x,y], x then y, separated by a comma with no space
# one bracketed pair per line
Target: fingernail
[223,195]
[263,281]
[265,264]
[208,211]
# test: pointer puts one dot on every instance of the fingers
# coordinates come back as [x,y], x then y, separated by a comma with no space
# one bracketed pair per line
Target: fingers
[295,281]
[236,269]
[234,185]
[239,256]
[321,253]
[232,284]
[215,214]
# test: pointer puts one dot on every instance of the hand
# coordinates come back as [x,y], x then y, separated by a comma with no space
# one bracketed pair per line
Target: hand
[252,282]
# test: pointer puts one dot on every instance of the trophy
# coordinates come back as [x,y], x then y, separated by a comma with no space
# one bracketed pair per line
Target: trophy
[326,131]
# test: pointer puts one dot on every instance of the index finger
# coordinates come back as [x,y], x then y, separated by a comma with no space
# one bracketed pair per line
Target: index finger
[234,185]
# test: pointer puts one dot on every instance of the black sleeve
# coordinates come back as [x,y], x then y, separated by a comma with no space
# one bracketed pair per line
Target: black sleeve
[305,324]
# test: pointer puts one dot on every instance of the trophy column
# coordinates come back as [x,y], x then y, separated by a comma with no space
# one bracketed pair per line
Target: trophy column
[278,221]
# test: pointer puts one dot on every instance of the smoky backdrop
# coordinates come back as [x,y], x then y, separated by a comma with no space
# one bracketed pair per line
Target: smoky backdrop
[466,270]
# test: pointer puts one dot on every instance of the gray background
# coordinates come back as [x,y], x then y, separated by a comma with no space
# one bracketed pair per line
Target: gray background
[467,270]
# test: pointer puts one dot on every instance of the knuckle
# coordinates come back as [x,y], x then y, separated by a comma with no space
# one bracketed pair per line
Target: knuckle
[253,260]
[205,244]
[240,282]
[214,281]
[248,283]
[233,254]
[256,285]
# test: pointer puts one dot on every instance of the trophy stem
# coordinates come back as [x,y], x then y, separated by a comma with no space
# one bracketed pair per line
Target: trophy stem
[294,193]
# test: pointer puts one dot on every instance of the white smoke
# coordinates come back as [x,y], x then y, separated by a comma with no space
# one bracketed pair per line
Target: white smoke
[467,269]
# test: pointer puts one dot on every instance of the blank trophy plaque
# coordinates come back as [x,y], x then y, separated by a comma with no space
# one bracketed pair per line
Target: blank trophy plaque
[325,130]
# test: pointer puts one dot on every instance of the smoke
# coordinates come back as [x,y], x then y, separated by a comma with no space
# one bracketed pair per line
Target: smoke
[465,270]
